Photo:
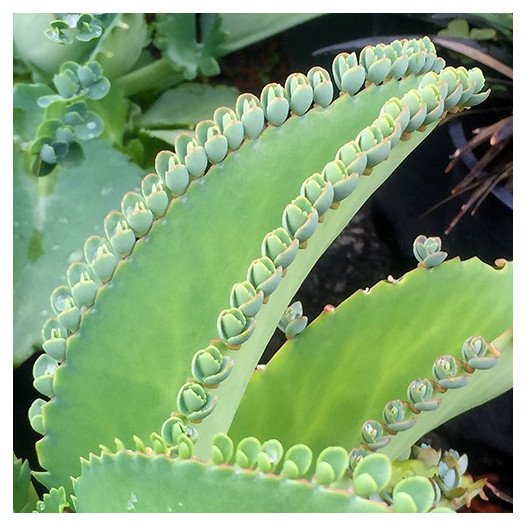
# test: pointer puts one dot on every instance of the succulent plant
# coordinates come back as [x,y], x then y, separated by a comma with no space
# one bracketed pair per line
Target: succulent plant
[157,336]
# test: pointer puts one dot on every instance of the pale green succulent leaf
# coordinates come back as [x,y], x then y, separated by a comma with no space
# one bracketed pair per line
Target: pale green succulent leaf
[53,502]
[157,356]
[377,342]
[133,482]
[52,218]
[24,495]
[160,303]
[481,387]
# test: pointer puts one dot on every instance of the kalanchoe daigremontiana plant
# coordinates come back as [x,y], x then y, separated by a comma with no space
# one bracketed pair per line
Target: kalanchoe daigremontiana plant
[427,251]
[67,117]
[156,339]
[82,26]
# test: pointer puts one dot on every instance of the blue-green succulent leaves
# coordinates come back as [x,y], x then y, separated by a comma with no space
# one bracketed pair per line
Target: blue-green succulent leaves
[293,322]
[427,251]
[479,354]
[194,402]
[210,367]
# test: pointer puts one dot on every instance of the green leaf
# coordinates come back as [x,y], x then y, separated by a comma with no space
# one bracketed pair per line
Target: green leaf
[27,113]
[91,128]
[457,28]
[88,28]
[132,482]
[210,236]
[24,495]
[66,83]
[177,38]
[99,89]
[121,44]
[482,34]
[243,29]
[53,502]
[482,386]
[37,50]
[56,32]
[218,256]
[501,22]
[374,344]
[52,218]
[187,104]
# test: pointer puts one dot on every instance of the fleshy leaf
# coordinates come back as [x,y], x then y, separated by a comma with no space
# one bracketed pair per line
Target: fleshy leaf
[51,221]
[135,316]
[243,29]
[53,502]
[410,323]
[131,482]
[24,495]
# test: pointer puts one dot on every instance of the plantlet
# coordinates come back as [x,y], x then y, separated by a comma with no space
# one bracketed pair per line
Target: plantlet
[156,338]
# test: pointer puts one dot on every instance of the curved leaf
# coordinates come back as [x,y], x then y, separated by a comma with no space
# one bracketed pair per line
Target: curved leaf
[243,29]
[134,482]
[341,371]
[156,356]
[482,386]
[160,302]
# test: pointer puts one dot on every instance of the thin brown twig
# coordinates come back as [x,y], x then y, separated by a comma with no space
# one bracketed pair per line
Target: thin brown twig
[449,198]
[480,165]
[498,493]
[484,134]
[504,132]
[497,179]
[476,54]
[466,206]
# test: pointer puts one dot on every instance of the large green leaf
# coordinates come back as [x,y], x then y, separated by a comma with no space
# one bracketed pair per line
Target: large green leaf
[243,29]
[134,347]
[134,482]
[341,371]
[52,218]
[180,275]
[482,386]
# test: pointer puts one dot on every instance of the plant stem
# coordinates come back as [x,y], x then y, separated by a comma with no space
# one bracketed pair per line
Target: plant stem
[157,75]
